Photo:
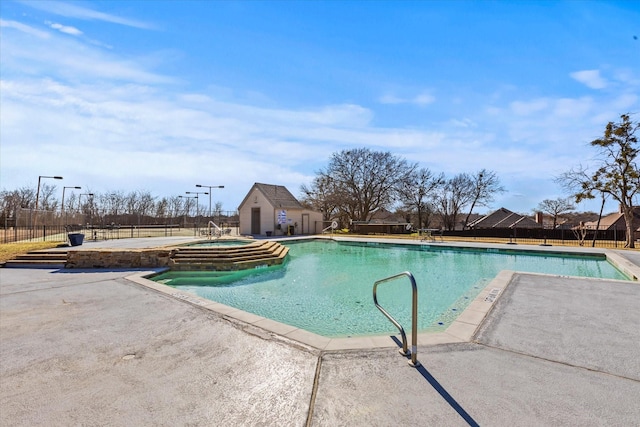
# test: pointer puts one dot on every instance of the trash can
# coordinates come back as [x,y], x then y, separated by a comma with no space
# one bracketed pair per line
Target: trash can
[76,239]
[268,233]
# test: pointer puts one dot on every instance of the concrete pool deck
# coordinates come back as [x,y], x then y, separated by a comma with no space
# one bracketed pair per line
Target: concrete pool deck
[92,347]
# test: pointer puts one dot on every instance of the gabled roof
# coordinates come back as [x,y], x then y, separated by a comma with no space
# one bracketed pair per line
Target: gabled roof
[277,195]
[383,216]
[504,218]
[613,221]
[606,222]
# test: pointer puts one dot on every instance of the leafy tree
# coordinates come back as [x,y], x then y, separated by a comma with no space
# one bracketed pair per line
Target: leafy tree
[485,184]
[616,174]
[417,192]
[556,207]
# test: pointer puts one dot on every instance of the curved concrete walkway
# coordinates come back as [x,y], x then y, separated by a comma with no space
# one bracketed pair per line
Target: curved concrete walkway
[94,348]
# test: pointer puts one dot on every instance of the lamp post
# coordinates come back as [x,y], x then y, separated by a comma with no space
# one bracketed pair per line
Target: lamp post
[35,219]
[62,207]
[197,203]
[209,187]
[80,199]
[38,192]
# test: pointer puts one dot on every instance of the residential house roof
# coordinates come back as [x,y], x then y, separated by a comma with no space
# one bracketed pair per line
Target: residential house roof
[277,195]
[504,218]
[612,221]
[383,216]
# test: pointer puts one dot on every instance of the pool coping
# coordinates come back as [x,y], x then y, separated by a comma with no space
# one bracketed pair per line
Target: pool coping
[462,329]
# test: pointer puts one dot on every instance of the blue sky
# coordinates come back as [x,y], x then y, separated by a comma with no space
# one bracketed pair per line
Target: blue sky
[162,95]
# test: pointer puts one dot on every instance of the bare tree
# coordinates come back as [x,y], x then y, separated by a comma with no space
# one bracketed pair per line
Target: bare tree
[362,181]
[485,185]
[175,206]
[71,202]
[48,201]
[555,208]
[322,196]
[145,204]
[217,208]
[11,201]
[616,174]
[162,208]
[417,192]
[131,203]
[454,195]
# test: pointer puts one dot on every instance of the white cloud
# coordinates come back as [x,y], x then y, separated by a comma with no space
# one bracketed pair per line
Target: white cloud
[73,59]
[65,29]
[70,10]
[424,99]
[625,101]
[525,108]
[462,122]
[105,120]
[590,78]
[573,107]
[421,99]
[24,28]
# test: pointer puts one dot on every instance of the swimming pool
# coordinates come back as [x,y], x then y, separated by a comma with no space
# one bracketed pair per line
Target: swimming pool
[326,286]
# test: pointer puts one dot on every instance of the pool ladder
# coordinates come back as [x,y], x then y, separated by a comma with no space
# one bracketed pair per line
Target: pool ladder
[414,317]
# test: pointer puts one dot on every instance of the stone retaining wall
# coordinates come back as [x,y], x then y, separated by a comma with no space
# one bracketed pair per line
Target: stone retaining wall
[130,258]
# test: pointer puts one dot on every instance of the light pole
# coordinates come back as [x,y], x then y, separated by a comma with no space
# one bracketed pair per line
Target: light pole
[80,200]
[35,219]
[63,190]
[38,192]
[62,207]
[209,187]
[197,203]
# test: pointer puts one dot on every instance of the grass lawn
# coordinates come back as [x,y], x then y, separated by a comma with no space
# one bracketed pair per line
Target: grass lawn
[11,250]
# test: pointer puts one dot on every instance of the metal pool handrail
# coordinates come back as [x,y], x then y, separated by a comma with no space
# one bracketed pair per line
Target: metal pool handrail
[414,317]
[333,226]
[218,229]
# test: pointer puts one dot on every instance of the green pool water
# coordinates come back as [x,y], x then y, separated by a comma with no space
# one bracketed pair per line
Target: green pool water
[325,287]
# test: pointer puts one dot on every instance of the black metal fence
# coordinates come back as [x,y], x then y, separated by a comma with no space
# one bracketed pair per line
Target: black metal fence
[31,225]
[57,233]
[578,237]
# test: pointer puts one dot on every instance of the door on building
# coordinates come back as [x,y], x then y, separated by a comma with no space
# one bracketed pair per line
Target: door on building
[255,220]
[305,223]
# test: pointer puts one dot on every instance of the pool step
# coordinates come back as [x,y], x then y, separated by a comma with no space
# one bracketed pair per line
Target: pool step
[226,251]
[253,255]
[39,259]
